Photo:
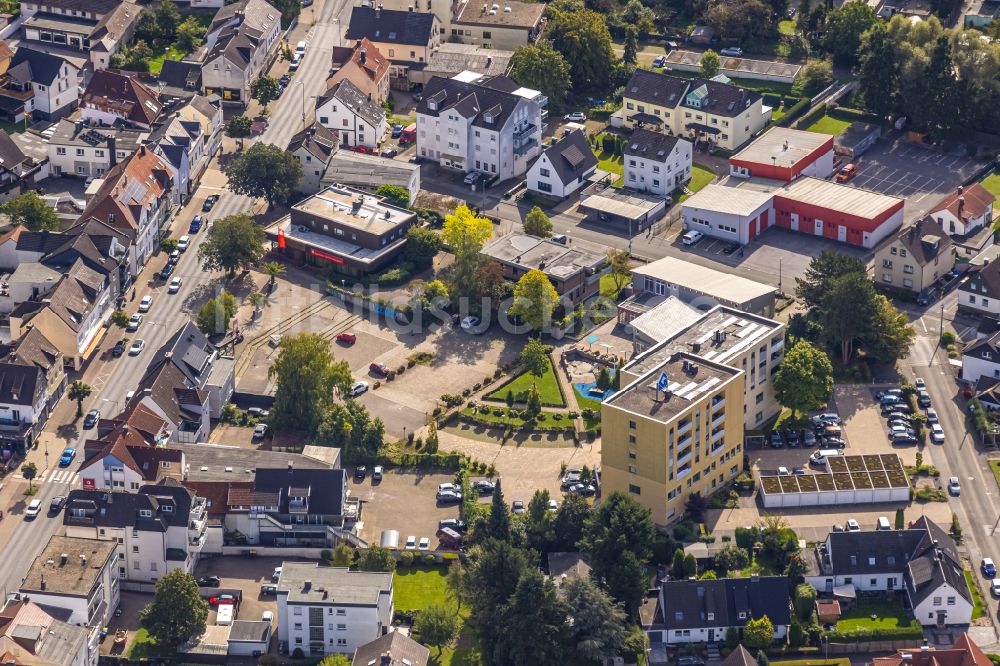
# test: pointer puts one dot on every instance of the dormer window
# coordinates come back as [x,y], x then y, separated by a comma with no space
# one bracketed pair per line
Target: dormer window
[488,117]
[168,509]
[743,615]
[145,513]
[432,105]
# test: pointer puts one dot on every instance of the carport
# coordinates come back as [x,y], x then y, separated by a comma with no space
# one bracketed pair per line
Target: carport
[609,205]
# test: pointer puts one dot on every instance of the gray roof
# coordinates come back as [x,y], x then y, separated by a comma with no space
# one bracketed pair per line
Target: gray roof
[390,26]
[317,140]
[670,91]
[558,261]
[250,631]
[169,505]
[241,28]
[450,59]
[309,583]
[19,383]
[190,351]
[67,133]
[665,319]
[209,462]
[400,649]
[74,577]
[321,488]
[488,96]
[44,66]
[351,96]
[925,240]
[368,171]
[571,157]
[688,604]
[650,145]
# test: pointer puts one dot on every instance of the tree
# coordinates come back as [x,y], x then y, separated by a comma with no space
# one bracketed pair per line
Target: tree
[265,89]
[351,428]
[740,19]
[257,300]
[457,582]
[690,565]
[534,624]
[848,311]
[805,378]
[533,403]
[534,300]
[631,52]
[805,601]
[307,377]
[604,378]
[422,245]
[343,556]
[133,58]
[190,34]
[599,625]
[289,9]
[335,660]
[178,611]
[376,558]
[435,625]
[620,526]
[540,67]
[814,286]
[79,391]
[537,223]
[641,17]
[216,313]
[879,70]
[899,522]
[431,442]
[621,269]
[678,569]
[465,234]
[119,318]
[758,632]
[29,471]
[710,64]
[265,170]
[492,578]
[159,22]
[567,527]
[30,210]
[491,284]
[891,334]
[498,524]
[844,27]
[535,357]
[695,506]
[732,558]
[168,245]
[239,127]
[233,242]
[583,39]
[394,195]
[816,76]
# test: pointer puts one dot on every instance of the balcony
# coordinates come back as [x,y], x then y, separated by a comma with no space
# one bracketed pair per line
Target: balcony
[717,435]
[524,131]
[524,147]
[719,419]
[684,472]
[683,442]
[718,401]
[778,344]
[776,355]
[681,459]
[685,427]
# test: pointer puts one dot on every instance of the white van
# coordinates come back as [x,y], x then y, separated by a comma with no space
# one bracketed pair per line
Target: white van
[224,617]
[819,457]
[300,49]
[883,523]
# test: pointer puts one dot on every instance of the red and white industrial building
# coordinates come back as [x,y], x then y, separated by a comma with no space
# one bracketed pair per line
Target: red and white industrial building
[779,180]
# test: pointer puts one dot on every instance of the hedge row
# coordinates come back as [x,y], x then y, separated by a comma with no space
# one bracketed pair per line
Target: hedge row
[449,461]
[808,119]
[477,419]
[845,113]
[888,634]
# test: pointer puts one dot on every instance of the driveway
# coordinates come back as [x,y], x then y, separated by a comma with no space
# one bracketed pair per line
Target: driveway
[403,501]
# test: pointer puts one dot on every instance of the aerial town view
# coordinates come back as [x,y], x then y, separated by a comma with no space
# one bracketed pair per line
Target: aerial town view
[522,333]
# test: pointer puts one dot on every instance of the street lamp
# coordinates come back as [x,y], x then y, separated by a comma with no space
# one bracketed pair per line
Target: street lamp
[302,89]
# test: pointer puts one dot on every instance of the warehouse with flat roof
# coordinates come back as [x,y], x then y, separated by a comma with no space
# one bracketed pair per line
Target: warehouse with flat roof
[785,154]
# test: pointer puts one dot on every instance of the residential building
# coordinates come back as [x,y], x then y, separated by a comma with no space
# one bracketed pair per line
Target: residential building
[167,392]
[963,652]
[720,114]
[563,167]
[490,125]
[8,247]
[916,258]
[696,285]
[980,292]
[77,149]
[181,144]
[393,649]
[921,561]
[784,154]
[981,359]
[76,578]
[655,162]
[34,349]
[30,635]
[356,232]
[29,281]
[575,273]
[663,444]
[53,80]
[328,610]
[114,98]
[179,78]
[406,38]
[808,205]
[313,147]
[965,210]
[134,197]
[190,351]
[358,120]
[659,321]
[97,30]
[130,452]
[451,59]
[209,114]
[17,170]
[241,43]
[752,343]
[24,406]
[507,27]
[699,611]
[365,67]
[158,529]
[366,172]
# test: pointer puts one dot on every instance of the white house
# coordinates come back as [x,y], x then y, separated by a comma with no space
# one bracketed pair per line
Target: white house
[563,167]
[980,292]
[241,42]
[158,529]
[77,149]
[347,111]
[327,610]
[55,82]
[183,145]
[313,147]
[982,359]
[964,211]
[655,162]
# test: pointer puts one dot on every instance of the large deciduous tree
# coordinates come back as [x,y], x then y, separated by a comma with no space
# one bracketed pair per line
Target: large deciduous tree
[583,39]
[177,612]
[307,378]
[534,624]
[848,311]
[879,70]
[535,357]
[422,245]
[844,27]
[537,223]
[233,242]
[599,626]
[465,233]
[436,626]
[216,313]
[710,63]
[267,171]
[891,334]
[190,34]
[265,89]
[541,67]
[534,299]
[31,210]
[805,378]
[376,558]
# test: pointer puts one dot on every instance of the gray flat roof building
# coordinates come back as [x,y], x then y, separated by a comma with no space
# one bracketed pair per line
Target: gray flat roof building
[309,583]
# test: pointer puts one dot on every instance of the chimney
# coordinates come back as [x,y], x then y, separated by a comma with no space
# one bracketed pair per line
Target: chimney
[307,585]
[142,150]
[63,559]
[925,648]
[111,151]
[83,560]
[290,467]
[364,55]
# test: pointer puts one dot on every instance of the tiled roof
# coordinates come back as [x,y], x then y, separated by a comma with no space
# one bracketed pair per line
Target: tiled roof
[571,157]
[370,60]
[925,240]
[317,140]
[472,100]
[351,96]
[19,383]
[391,26]
[44,66]
[123,95]
[128,188]
[971,201]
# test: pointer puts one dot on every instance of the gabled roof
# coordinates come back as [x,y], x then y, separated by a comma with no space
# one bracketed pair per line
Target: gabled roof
[350,95]
[169,506]
[168,387]
[739,657]
[728,602]
[983,280]
[189,351]
[33,348]
[934,563]
[722,99]
[114,25]
[99,7]
[123,95]
[571,157]
[658,89]
[180,75]
[492,96]
[987,348]
[963,652]
[317,140]
[11,156]
[128,188]
[925,240]
[241,29]
[72,299]
[367,58]
[19,383]
[401,650]
[391,26]
[655,146]
[967,202]
[44,66]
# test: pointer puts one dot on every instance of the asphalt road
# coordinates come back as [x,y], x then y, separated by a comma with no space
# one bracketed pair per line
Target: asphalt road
[117,377]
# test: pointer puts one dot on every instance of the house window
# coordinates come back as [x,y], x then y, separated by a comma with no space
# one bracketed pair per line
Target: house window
[545,173]
[324,120]
[341,641]
[60,151]
[135,549]
[908,283]
[902,252]
[951,601]
[886,277]
[937,601]
[79,152]
[742,615]
[634,489]
[631,425]
[544,187]
[341,627]
[341,611]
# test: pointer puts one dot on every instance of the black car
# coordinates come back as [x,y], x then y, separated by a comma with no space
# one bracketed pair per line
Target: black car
[791,438]
[209,202]
[57,503]
[118,349]
[484,487]
[208,581]
[360,472]
[776,441]
[453,524]
[390,152]
[285,80]
[93,416]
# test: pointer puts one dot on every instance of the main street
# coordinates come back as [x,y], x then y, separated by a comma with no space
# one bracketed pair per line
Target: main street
[112,379]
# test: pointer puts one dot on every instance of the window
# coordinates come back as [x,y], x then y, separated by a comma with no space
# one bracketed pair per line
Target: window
[341,641]
[135,565]
[544,187]
[892,251]
[873,582]
[631,425]
[760,398]
[634,489]
[135,549]
[487,34]
[341,627]
[951,601]
[886,277]
[908,283]
[631,455]
[902,252]
[937,601]
[297,611]
[887,263]
[323,120]
[60,151]
[631,439]
[341,611]
[545,173]
[631,469]
[907,268]
[152,566]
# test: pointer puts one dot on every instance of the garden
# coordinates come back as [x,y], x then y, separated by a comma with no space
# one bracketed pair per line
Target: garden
[876,618]
[418,587]
[549,391]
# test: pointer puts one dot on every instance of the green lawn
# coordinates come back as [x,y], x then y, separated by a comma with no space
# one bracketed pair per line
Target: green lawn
[787,27]
[416,588]
[977,599]
[995,467]
[143,646]
[700,177]
[992,183]
[829,125]
[607,161]
[173,53]
[608,288]
[888,615]
[548,389]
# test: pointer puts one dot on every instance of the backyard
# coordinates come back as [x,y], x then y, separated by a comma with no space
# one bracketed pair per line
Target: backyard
[547,385]
[416,588]
[829,125]
[170,53]
[992,183]
[875,616]
[700,177]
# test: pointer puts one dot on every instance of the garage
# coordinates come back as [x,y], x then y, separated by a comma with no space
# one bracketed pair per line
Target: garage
[249,638]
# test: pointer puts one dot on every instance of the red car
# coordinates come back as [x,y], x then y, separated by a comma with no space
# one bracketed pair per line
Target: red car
[347,337]
[846,173]
[222,599]
[365,150]
[379,369]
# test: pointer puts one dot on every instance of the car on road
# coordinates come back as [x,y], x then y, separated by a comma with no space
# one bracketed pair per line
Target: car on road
[732,52]
[995,587]
[347,337]
[411,543]
[449,496]
[360,473]
[175,285]
[469,323]
[359,388]
[471,178]
[145,303]
[424,545]
[954,487]
[453,524]
[34,508]
[195,225]
[576,116]
[260,431]
[210,201]
[924,399]
[379,369]
[937,433]
[932,415]
[209,581]
[137,347]
[57,503]
[988,568]
[167,271]
[134,322]
[67,456]
[183,242]
[692,237]
[93,416]
[920,383]
[853,526]
[847,172]
[517,507]
[397,130]
[390,152]
[377,473]
[118,349]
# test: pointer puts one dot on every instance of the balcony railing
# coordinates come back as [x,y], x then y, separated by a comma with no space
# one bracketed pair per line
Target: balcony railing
[685,427]
[718,435]
[718,418]
[524,131]
[684,458]
[718,402]
[777,344]
[525,146]
[683,442]
[684,472]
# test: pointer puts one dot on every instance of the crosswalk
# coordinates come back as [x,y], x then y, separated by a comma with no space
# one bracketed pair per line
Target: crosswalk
[55,477]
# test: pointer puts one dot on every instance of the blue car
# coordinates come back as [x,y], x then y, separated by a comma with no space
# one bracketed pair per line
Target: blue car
[195,224]
[67,457]
[658,62]
[397,131]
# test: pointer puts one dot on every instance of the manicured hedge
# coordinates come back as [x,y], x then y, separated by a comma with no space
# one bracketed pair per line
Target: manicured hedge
[915,631]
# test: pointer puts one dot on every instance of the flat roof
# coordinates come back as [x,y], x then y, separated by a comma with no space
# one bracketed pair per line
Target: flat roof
[723,286]
[618,202]
[641,397]
[735,66]
[664,318]
[77,575]
[719,335]
[354,208]
[307,582]
[305,236]
[217,462]
[730,200]
[510,14]
[782,146]
[531,252]
[841,198]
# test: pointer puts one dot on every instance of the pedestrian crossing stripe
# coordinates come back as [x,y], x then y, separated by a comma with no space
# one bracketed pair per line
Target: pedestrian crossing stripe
[63,476]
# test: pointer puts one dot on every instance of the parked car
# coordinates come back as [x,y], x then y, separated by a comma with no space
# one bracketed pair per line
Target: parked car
[692,237]
[359,388]
[285,80]
[903,439]
[995,587]
[183,242]
[937,433]
[825,419]
[553,505]
[212,198]
[268,589]
[137,346]
[360,473]
[134,322]
[582,489]
[93,416]
[453,524]
[145,303]
[776,441]
[808,438]
[853,526]
[209,581]
[517,507]
[300,49]
[67,456]
[954,487]
[896,392]
[783,471]
[267,616]
[791,438]
[390,152]
[424,545]
[347,337]
[379,369]
[118,349]
[57,503]
[847,172]
[470,323]
[276,574]
[397,130]
[988,568]
[260,431]
[732,52]
[932,415]
[376,473]
[471,178]
[484,487]
[924,399]
[411,543]
[449,496]
[658,62]
[575,117]
[920,383]
[175,285]
[222,600]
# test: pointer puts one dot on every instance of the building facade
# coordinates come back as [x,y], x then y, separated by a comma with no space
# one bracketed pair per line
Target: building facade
[241,43]
[916,258]
[563,167]
[346,110]
[656,163]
